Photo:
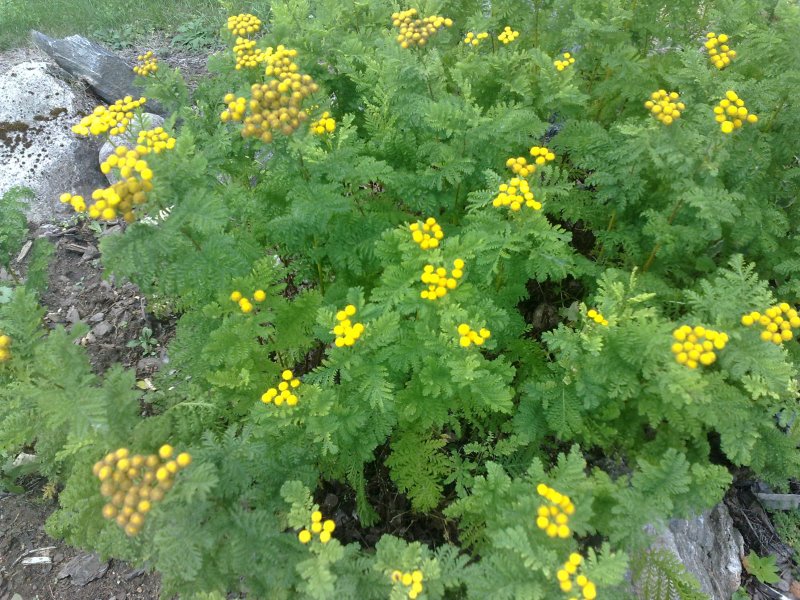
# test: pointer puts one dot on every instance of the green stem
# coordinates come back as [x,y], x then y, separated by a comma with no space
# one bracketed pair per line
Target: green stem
[649,262]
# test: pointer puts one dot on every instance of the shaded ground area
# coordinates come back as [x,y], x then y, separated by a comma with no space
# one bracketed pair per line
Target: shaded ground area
[35,566]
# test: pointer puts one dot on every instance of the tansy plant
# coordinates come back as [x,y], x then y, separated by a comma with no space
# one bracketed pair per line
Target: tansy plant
[576,343]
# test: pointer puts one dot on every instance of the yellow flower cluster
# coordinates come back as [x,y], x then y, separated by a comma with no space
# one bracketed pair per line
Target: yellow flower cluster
[411,580]
[428,234]
[519,165]
[469,336]
[283,393]
[245,304]
[323,528]
[554,519]
[719,53]
[244,24]
[112,119]
[514,194]
[731,113]
[122,197]
[473,39]
[154,140]
[563,64]
[146,64]
[778,322]
[542,155]
[508,35]
[324,125]
[696,345]
[276,105]
[438,280]
[247,55]
[5,348]
[567,578]
[596,317]
[345,331]
[133,483]
[665,106]
[415,32]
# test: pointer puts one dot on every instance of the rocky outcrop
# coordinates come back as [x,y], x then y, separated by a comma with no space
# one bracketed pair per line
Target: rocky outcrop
[37,148]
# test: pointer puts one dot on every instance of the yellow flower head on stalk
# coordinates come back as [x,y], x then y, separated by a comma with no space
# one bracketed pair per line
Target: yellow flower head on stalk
[567,61]
[778,322]
[319,527]
[508,35]
[719,52]
[416,32]
[693,346]
[468,336]
[553,518]
[244,24]
[347,332]
[440,281]
[284,392]
[411,580]
[145,64]
[427,234]
[132,484]
[324,125]
[154,140]
[515,194]
[474,39]
[247,55]
[731,113]
[112,119]
[597,317]
[665,106]
[568,579]
[5,347]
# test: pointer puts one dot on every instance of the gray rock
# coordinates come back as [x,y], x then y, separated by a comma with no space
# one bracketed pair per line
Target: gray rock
[96,317]
[73,316]
[105,72]
[82,569]
[37,148]
[101,329]
[710,549]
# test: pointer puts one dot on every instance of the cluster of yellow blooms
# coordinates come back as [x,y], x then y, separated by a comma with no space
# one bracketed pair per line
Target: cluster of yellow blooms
[469,336]
[276,105]
[145,64]
[731,113]
[514,194]
[563,64]
[719,53]
[133,483]
[596,317]
[428,234]
[283,393]
[77,202]
[519,165]
[665,106]
[438,280]
[245,304]
[778,322]
[154,140]
[323,528]
[5,348]
[554,519]
[247,55]
[415,32]
[696,345]
[565,578]
[473,39]
[508,35]
[411,580]
[244,24]
[324,125]
[112,119]
[345,331]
